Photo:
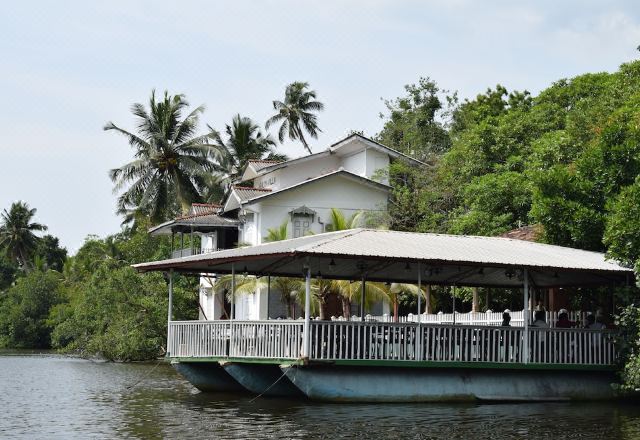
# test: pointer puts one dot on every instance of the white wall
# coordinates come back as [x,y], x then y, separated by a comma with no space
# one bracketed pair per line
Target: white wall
[298,172]
[355,163]
[375,161]
[333,192]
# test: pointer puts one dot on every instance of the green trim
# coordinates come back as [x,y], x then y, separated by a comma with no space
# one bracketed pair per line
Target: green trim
[237,360]
[406,364]
[475,365]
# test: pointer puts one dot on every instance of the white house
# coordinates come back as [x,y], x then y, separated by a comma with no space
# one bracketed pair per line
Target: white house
[349,175]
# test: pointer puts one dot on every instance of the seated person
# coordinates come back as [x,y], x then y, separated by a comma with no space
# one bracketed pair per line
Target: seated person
[594,324]
[506,318]
[540,319]
[563,320]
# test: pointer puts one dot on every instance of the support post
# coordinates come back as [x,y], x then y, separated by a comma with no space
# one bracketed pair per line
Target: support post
[268,293]
[181,243]
[419,291]
[419,328]
[233,292]
[427,300]
[170,308]
[453,299]
[525,316]
[362,297]
[306,347]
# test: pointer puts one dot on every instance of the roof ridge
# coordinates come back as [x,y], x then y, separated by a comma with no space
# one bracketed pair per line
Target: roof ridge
[251,188]
[485,237]
[336,236]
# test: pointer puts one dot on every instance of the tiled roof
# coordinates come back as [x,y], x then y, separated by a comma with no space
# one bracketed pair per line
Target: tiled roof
[259,165]
[526,233]
[204,208]
[247,192]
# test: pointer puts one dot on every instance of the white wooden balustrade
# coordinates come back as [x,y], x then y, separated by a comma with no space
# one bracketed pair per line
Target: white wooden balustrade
[383,341]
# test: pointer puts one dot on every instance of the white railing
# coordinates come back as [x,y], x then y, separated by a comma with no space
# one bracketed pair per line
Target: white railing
[473,318]
[198,339]
[383,341]
[187,252]
[267,340]
[459,343]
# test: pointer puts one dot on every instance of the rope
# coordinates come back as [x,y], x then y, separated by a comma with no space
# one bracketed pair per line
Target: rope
[284,373]
[144,376]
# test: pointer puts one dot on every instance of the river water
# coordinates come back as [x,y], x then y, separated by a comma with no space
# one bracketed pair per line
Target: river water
[47,396]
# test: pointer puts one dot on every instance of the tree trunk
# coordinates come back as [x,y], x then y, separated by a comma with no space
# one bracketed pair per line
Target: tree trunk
[395,309]
[304,141]
[346,307]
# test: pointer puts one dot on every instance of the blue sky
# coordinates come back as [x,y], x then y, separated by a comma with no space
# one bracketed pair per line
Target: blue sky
[69,67]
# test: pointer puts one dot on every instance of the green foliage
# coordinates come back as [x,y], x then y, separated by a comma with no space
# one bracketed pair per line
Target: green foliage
[24,310]
[628,345]
[173,167]
[244,141]
[110,310]
[622,235]
[415,124]
[296,114]
[53,256]
[17,233]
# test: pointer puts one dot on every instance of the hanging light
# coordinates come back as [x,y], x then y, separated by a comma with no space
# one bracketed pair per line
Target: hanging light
[245,271]
[332,264]
[319,275]
[481,271]
[509,273]
[407,267]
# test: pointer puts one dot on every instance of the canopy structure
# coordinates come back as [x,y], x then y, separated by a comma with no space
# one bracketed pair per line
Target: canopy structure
[380,255]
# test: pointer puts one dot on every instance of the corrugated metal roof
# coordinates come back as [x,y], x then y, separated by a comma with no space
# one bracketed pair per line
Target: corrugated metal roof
[384,255]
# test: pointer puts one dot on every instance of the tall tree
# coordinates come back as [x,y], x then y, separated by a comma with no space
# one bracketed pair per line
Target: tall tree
[172,164]
[17,233]
[244,141]
[296,114]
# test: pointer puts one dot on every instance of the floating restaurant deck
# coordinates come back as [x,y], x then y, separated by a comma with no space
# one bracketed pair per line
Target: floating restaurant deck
[411,361]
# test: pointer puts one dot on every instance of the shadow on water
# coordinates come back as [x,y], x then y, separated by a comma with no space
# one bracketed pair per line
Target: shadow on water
[59,397]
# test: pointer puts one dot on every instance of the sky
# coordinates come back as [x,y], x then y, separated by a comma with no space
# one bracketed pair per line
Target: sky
[66,68]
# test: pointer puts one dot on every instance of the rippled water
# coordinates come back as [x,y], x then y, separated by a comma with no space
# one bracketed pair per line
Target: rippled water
[48,396]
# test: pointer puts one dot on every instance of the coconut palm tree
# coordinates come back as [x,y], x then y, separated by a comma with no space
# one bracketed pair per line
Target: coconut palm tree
[172,164]
[244,141]
[278,234]
[292,291]
[17,233]
[339,222]
[351,292]
[296,114]
[393,291]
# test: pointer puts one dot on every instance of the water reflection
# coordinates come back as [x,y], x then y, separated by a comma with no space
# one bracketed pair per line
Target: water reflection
[45,396]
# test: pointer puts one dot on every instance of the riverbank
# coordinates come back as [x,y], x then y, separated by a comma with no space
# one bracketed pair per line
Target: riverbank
[52,396]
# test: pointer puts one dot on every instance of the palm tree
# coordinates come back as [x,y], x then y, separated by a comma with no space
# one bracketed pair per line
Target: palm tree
[351,291]
[17,237]
[295,113]
[244,141]
[172,164]
[339,222]
[277,234]
[292,291]
[393,292]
